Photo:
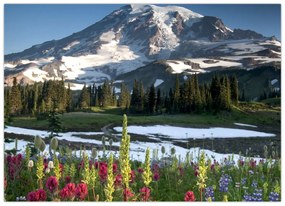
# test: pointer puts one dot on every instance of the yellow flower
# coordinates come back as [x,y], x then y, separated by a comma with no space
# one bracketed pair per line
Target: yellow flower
[147,171]
[109,188]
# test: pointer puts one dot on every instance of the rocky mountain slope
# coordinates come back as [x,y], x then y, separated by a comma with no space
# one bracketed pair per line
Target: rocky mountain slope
[136,35]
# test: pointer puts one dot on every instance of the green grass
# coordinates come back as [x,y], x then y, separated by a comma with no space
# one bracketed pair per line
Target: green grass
[249,113]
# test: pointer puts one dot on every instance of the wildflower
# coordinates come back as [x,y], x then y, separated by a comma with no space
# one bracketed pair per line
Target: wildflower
[274,196]
[251,172]
[124,157]
[42,196]
[67,179]
[31,164]
[132,176]
[189,196]
[109,188]
[202,176]
[50,165]
[224,183]
[209,193]
[81,191]
[118,180]
[40,170]
[140,170]
[47,170]
[254,184]
[156,176]
[243,181]
[145,193]
[51,183]
[103,172]
[115,168]
[128,194]
[33,196]
[68,192]
[147,171]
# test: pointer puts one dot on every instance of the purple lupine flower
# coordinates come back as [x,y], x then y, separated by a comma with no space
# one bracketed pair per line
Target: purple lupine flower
[209,192]
[273,197]
[224,183]
[256,196]
[243,181]
[254,184]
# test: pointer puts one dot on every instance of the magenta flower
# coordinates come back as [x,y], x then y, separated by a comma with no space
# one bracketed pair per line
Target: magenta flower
[189,196]
[42,196]
[52,183]
[81,191]
[145,193]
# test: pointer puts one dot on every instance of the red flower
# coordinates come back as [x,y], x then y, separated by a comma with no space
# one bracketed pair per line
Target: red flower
[81,191]
[33,196]
[156,176]
[133,176]
[155,168]
[128,194]
[189,196]
[67,179]
[196,173]
[140,170]
[145,193]
[118,180]
[68,192]
[42,196]
[115,168]
[103,172]
[52,183]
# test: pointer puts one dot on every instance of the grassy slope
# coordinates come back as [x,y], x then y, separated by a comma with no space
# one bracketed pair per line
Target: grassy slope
[250,113]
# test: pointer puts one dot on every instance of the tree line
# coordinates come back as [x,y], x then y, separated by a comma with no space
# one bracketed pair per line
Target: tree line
[184,97]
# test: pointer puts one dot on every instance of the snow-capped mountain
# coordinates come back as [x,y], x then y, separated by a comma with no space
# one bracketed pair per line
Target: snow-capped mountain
[136,35]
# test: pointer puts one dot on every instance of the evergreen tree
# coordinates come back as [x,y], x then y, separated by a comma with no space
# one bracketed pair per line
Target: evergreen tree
[135,97]
[84,99]
[68,99]
[15,102]
[158,105]
[176,96]
[151,99]
[234,90]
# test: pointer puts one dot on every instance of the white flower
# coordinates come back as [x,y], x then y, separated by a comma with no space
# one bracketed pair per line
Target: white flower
[31,164]
[47,170]
[50,165]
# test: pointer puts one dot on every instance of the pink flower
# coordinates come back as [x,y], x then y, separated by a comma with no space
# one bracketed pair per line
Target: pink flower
[145,193]
[67,179]
[68,192]
[52,183]
[140,170]
[115,168]
[156,176]
[133,176]
[189,196]
[42,196]
[128,194]
[118,180]
[81,191]
[33,196]
[103,172]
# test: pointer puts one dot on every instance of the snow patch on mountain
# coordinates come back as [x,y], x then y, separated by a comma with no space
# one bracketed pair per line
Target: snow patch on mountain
[158,82]
[180,66]
[72,44]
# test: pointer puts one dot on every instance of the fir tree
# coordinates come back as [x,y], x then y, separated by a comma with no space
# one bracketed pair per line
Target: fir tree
[151,99]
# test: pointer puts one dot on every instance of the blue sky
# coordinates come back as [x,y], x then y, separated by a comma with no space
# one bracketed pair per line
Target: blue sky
[26,24]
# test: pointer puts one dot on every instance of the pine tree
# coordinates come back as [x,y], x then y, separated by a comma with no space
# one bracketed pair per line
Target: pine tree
[151,99]
[234,90]
[68,99]
[15,98]
[197,95]
[158,105]
[176,96]
[84,99]
[135,97]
